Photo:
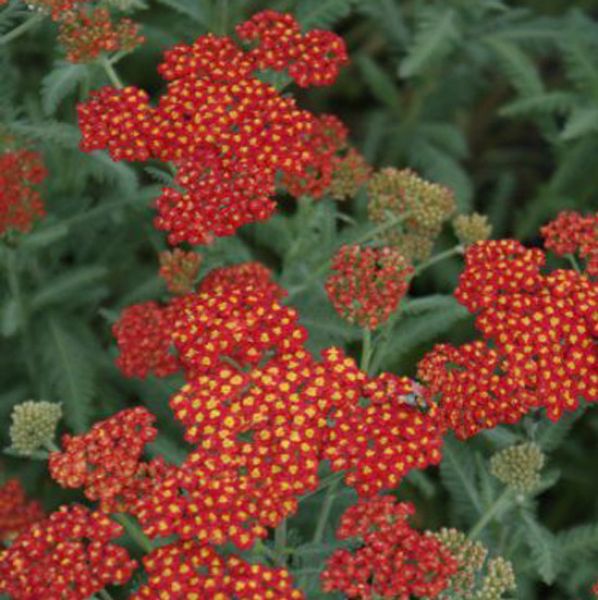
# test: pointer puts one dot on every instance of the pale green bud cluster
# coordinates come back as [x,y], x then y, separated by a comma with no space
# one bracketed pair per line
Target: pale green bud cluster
[519,467]
[499,580]
[472,228]
[33,425]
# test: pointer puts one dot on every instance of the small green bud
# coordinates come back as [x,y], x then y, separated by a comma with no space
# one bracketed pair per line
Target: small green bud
[33,425]
[473,228]
[519,467]
[499,580]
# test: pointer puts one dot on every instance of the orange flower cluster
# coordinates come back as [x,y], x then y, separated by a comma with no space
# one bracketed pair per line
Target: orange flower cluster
[21,171]
[572,233]
[90,31]
[193,571]
[68,555]
[367,284]
[393,560]
[228,133]
[16,512]
[106,460]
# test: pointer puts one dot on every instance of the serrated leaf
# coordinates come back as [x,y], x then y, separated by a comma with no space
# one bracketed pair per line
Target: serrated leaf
[69,371]
[378,82]
[436,35]
[10,318]
[60,82]
[578,542]
[547,103]
[61,134]
[189,8]
[67,285]
[103,169]
[542,547]
[551,435]
[322,13]
[435,302]
[581,70]
[519,69]
[581,121]
[457,471]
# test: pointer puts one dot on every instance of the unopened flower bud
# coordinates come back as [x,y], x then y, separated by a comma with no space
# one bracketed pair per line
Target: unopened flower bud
[179,270]
[472,228]
[33,425]
[519,466]
[500,579]
[349,174]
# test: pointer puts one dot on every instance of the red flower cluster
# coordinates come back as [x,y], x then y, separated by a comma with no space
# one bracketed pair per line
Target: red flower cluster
[238,323]
[16,512]
[378,444]
[56,8]
[368,283]
[243,275]
[543,326]
[258,436]
[189,570]
[227,132]
[68,555]
[572,233]
[88,32]
[106,460]
[394,560]
[328,137]
[312,59]
[144,337]
[20,203]
[541,330]
[472,389]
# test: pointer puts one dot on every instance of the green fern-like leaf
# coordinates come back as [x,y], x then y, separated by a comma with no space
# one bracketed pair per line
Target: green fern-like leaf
[53,132]
[542,547]
[197,11]
[519,69]
[578,543]
[68,370]
[378,82]
[60,82]
[580,69]
[457,471]
[551,435]
[322,13]
[582,121]
[541,104]
[437,34]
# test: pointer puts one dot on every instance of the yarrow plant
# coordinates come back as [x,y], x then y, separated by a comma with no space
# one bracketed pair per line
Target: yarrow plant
[265,406]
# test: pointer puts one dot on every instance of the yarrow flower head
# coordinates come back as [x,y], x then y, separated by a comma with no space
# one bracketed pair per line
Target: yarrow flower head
[88,32]
[471,391]
[519,467]
[105,461]
[228,133]
[21,171]
[144,338]
[367,284]
[33,425]
[572,233]
[543,326]
[393,560]
[419,208]
[194,571]
[378,443]
[16,512]
[67,555]
[179,269]
[253,274]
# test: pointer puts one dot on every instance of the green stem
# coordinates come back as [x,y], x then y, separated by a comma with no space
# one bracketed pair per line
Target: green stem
[280,542]
[110,71]
[325,512]
[104,594]
[385,337]
[133,529]
[494,509]
[262,548]
[366,350]
[223,17]
[327,481]
[51,446]
[25,26]
[459,249]
[571,258]
[14,284]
